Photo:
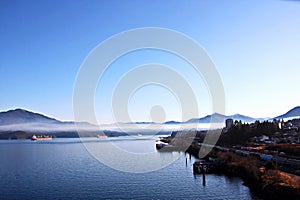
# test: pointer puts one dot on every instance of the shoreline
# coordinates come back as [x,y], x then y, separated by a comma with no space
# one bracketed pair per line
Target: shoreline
[266,181]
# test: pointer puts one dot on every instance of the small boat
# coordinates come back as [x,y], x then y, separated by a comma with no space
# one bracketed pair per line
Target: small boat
[166,147]
[139,135]
[34,137]
[102,136]
[159,145]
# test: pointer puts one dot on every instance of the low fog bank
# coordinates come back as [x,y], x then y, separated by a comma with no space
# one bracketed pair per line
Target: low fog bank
[123,127]
[71,130]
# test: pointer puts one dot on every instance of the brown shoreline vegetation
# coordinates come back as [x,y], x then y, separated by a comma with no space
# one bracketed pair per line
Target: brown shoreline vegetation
[267,181]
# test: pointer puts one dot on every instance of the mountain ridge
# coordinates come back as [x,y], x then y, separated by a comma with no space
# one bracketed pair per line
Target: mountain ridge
[294,112]
[21,116]
[219,118]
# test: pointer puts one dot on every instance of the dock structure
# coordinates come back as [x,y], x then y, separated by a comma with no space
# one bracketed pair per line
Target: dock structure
[203,167]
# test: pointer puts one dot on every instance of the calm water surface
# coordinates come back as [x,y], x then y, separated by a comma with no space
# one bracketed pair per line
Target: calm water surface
[63,169]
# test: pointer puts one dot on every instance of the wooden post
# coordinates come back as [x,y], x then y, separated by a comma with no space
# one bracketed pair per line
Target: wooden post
[203,175]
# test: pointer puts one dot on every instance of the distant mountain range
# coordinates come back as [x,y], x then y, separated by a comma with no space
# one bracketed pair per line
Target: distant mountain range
[216,117]
[19,116]
[23,120]
[31,120]
[295,112]
[22,124]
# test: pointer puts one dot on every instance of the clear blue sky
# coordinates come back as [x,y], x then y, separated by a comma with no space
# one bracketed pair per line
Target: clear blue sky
[254,44]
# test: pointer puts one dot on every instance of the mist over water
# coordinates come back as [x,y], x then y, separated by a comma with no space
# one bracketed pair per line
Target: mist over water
[146,128]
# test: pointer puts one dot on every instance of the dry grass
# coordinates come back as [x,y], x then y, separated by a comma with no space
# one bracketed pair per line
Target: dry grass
[237,160]
[276,177]
[272,183]
[251,165]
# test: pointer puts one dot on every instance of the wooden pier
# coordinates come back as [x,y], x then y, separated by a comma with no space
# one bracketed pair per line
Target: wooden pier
[203,167]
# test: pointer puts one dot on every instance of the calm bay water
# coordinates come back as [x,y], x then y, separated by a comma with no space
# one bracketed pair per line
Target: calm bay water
[63,169]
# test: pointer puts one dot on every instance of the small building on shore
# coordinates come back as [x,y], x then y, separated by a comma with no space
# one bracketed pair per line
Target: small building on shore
[229,123]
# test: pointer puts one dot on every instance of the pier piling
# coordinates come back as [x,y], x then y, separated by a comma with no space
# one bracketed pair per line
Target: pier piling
[203,179]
